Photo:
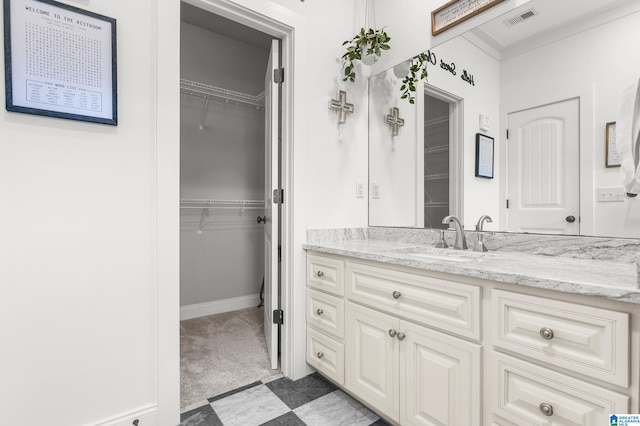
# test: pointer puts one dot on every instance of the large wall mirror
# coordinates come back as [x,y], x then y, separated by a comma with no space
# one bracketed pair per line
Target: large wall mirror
[552,74]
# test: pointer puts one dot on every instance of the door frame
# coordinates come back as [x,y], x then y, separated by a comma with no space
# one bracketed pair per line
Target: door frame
[289,28]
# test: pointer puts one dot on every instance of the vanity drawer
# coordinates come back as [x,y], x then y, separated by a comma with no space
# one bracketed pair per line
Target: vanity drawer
[579,338]
[326,274]
[325,312]
[443,304]
[532,395]
[325,355]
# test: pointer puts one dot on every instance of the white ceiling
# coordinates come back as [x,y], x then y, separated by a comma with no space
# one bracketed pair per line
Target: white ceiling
[225,27]
[553,17]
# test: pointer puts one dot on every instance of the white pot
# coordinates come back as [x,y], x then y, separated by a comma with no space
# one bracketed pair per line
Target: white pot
[402,69]
[366,58]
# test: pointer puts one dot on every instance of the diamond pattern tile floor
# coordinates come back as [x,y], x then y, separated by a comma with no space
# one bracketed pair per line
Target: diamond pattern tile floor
[309,401]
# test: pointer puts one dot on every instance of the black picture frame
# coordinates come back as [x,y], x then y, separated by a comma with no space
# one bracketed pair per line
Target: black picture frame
[60,61]
[484,156]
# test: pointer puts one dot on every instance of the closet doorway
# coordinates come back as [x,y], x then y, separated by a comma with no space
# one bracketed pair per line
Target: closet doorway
[443,156]
[229,271]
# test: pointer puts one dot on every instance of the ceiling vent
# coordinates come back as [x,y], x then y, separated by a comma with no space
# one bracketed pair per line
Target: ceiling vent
[521,17]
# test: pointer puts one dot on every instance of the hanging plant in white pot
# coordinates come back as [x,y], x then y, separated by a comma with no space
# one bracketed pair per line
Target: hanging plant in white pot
[366,46]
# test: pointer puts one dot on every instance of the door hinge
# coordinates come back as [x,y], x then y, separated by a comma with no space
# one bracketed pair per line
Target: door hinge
[507,134]
[507,203]
[279,253]
[278,316]
[278,196]
[278,75]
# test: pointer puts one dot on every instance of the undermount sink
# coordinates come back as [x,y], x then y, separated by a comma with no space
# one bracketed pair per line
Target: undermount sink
[447,255]
[448,258]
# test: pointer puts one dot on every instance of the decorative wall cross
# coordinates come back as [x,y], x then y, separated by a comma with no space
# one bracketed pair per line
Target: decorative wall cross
[394,121]
[341,106]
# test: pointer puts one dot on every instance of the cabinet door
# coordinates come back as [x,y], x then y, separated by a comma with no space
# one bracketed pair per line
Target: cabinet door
[372,358]
[439,378]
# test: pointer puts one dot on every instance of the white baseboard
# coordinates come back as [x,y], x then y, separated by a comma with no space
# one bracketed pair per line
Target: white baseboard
[146,416]
[218,306]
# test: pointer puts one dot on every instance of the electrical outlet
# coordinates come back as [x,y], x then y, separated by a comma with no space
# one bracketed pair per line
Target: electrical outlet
[612,194]
[359,189]
[375,189]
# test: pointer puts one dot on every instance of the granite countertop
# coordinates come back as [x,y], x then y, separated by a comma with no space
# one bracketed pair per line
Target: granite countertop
[588,276]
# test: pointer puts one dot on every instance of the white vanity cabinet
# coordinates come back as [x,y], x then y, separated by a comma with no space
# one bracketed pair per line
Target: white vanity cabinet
[430,348]
[394,359]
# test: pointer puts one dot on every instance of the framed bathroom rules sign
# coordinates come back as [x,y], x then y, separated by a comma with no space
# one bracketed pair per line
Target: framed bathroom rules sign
[60,61]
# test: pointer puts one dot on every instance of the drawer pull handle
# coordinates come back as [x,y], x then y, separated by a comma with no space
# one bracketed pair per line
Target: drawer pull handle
[401,336]
[320,274]
[546,333]
[397,294]
[392,332]
[320,355]
[319,311]
[546,409]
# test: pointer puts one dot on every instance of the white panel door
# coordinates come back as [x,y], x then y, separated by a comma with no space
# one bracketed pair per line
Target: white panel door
[271,232]
[543,169]
[371,358]
[439,379]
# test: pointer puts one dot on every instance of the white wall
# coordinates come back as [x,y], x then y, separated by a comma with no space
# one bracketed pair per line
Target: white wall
[595,65]
[223,161]
[78,249]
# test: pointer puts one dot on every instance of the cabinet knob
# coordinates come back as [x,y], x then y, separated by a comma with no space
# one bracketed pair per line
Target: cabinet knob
[396,294]
[546,333]
[546,409]
[319,311]
[392,332]
[320,355]
[401,336]
[320,274]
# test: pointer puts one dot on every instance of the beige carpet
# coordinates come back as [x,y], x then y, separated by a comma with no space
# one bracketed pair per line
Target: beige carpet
[220,353]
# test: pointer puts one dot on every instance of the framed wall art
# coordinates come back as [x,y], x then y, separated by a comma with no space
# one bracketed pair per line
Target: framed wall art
[612,158]
[484,156]
[60,61]
[457,11]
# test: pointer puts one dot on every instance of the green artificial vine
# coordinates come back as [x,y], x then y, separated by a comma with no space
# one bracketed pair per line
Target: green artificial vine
[417,71]
[375,42]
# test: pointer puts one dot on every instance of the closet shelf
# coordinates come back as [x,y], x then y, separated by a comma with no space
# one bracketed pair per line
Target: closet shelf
[221,204]
[214,93]
[436,204]
[436,149]
[437,176]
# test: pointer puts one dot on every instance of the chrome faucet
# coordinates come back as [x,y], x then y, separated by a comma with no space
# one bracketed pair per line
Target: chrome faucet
[461,241]
[480,244]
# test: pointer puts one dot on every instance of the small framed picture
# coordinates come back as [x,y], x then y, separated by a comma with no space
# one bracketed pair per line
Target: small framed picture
[612,158]
[484,156]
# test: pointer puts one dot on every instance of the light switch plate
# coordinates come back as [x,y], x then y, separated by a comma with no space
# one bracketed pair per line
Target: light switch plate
[611,194]
[359,189]
[485,123]
[375,189]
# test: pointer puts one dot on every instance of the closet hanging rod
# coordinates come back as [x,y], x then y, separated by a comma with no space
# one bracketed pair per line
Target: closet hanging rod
[207,91]
[231,204]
